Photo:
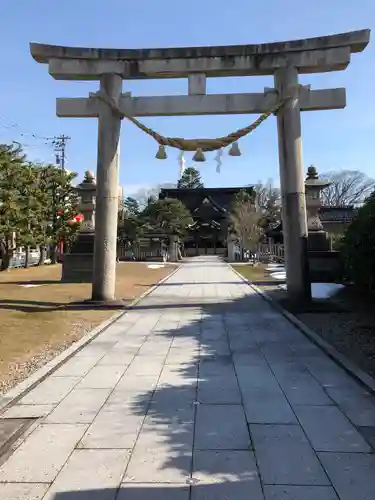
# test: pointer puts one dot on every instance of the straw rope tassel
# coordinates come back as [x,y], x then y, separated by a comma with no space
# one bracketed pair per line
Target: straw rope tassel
[181,161]
[218,160]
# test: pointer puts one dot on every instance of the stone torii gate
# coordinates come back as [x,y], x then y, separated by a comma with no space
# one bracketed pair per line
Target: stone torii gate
[283,60]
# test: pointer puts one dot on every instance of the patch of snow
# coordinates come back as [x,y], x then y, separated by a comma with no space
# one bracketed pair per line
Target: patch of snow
[276,269]
[279,276]
[325,290]
[321,290]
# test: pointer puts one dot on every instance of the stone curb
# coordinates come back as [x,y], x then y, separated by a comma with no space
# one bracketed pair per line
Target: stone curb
[20,390]
[351,368]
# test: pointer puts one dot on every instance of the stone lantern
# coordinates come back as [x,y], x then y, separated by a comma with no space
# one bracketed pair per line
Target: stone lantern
[86,190]
[313,188]
[78,263]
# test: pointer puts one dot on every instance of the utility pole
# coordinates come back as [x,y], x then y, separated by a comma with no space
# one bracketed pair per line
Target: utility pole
[59,143]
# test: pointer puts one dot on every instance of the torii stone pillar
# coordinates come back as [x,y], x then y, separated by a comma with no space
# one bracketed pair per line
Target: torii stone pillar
[104,275]
[292,186]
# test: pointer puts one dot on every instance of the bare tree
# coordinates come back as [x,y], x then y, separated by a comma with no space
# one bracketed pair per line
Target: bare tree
[246,219]
[268,196]
[144,195]
[348,187]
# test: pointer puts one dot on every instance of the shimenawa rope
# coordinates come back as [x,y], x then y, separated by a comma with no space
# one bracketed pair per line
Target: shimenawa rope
[191,144]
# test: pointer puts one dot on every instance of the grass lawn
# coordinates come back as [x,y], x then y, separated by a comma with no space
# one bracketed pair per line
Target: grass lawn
[256,274]
[40,321]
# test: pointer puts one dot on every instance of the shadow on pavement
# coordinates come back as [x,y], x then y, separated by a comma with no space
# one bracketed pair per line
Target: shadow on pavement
[213,461]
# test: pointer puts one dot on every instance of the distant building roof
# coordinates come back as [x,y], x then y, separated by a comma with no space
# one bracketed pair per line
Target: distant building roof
[220,199]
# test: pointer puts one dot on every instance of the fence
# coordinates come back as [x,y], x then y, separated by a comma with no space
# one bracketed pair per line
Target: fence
[139,253]
[18,259]
[271,252]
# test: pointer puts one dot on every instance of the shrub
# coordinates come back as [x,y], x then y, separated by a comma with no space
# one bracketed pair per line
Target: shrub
[358,247]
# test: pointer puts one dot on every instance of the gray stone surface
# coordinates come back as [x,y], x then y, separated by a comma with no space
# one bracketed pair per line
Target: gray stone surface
[116,428]
[299,493]
[221,427]
[352,474]
[149,491]
[329,430]
[102,377]
[41,456]
[285,457]
[51,391]
[357,404]
[159,465]
[267,407]
[88,471]
[28,411]
[77,366]
[81,407]
[19,491]
[170,385]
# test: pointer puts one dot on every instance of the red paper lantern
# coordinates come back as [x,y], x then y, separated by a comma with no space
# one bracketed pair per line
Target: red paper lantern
[76,219]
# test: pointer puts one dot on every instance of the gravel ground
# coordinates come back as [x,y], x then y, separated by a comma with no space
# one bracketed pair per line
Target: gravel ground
[20,371]
[346,323]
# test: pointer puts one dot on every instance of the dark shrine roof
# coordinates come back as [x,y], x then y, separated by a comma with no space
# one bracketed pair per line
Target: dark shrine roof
[220,199]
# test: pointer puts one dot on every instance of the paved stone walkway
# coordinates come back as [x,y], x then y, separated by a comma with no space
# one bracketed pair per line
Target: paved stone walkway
[201,392]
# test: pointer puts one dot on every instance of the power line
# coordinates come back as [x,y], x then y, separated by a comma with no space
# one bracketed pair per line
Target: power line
[59,143]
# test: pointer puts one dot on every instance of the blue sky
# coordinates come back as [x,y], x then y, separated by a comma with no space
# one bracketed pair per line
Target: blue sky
[331,139]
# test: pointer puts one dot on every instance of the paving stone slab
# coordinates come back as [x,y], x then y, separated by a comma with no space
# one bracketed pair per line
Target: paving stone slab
[159,465]
[88,472]
[329,430]
[219,466]
[114,429]
[50,391]
[221,427]
[219,366]
[149,491]
[173,429]
[352,474]
[22,491]
[117,359]
[327,372]
[285,457]
[302,389]
[171,398]
[243,490]
[358,405]
[264,406]
[218,390]
[76,366]
[28,411]
[102,377]
[300,493]
[97,348]
[41,456]
[80,406]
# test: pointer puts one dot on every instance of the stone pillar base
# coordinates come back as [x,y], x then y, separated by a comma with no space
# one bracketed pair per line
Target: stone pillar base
[77,268]
[318,241]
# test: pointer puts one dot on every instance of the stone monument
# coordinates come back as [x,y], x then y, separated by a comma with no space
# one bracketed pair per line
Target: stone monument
[323,263]
[317,237]
[77,265]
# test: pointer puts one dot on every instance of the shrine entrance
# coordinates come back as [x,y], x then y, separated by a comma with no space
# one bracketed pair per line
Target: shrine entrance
[283,60]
